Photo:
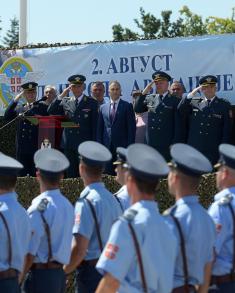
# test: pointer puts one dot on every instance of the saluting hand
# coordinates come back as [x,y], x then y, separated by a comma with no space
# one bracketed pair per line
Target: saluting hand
[65,92]
[148,88]
[19,96]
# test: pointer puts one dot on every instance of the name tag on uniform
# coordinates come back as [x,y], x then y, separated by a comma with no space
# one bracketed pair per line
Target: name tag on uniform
[86,110]
[195,110]
[217,116]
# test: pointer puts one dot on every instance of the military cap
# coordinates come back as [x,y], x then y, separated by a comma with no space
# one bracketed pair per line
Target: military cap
[30,86]
[50,161]
[121,156]
[145,162]
[160,75]
[77,79]
[93,153]
[207,80]
[9,166]
[188,160]
[227,156]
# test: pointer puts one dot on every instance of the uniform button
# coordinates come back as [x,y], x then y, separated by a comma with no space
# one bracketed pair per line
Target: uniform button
[201,123]
[78,116]
[153,119]
[200,132]
[24,122]
[23,129]
[159,128]
[159,120]
[207,133]
[70,131]
[22,136]
[152,127]
[208,124]
[160,112]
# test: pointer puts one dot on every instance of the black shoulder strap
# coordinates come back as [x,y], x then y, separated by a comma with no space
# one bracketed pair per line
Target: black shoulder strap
[96,224]
[41,208]
[233,216]
[129,216]
[183,252]
[119,201]
[9,238]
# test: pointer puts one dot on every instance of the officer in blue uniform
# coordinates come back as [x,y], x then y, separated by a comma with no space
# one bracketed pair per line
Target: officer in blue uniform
[208,119]
[26,132]
[189,220]
[163,121]
[51,217]
[222,212]
[122,194]
[83,111]
[14,227]
[140,252]
[95,212]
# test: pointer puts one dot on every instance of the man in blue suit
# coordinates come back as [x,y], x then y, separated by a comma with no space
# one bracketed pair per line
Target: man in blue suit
[116,123]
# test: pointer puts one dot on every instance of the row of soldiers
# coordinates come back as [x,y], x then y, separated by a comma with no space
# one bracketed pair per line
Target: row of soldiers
[119,242]
[203,121]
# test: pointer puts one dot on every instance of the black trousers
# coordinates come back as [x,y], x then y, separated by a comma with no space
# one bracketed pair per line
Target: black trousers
[72,156]
[87,279]
[45,281]
[228,287]
[9,285]
[26,159]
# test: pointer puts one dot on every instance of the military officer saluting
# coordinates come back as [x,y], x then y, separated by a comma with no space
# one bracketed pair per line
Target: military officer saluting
[95,212]
[140,252]
[83,111]
[208,119]
[222,212]
[26,132]
[162,113]
[51,218]
[189,220]
[122,194]
[15,228]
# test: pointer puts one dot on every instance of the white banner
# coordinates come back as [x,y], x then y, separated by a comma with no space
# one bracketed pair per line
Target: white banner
[131,63]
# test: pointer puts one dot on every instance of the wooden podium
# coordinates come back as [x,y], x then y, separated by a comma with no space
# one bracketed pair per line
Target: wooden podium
[50,129]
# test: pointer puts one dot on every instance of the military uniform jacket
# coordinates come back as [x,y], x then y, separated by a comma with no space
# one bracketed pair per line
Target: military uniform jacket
[162,127]
[84,114]
[207,126]
[221,215]
[26,132]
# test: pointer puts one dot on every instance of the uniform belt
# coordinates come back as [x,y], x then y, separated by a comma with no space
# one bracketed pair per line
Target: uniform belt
[217,280]
[47,265]
[91,262]
[182,289]
[10,273]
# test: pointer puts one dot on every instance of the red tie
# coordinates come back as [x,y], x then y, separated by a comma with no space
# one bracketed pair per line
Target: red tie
[112,114]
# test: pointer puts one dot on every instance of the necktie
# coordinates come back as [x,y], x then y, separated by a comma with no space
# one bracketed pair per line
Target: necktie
[160,97]
[112,113]
[208,103]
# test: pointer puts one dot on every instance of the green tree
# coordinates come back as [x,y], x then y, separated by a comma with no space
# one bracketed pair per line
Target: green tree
[188,24]
[12,35]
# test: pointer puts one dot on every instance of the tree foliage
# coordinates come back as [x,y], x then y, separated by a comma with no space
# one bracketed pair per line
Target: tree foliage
[188,24]
[12,35]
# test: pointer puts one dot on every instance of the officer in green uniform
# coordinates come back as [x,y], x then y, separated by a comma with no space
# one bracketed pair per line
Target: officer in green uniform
[162,113]
[208,119]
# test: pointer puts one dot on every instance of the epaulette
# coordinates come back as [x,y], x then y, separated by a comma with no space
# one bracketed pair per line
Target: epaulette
[225,101]
[84,197]
[129,215]
[42,206]
[225,200]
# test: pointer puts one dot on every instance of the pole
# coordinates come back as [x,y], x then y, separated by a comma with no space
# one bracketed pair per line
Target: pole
[23,23]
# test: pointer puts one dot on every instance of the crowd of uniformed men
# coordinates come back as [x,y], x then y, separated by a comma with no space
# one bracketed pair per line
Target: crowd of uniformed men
[120,242]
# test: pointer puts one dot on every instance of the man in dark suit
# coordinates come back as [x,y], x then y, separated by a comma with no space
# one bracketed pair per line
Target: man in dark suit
[162,126]
[83,111]
[116,123]
[208,118]
[26,132]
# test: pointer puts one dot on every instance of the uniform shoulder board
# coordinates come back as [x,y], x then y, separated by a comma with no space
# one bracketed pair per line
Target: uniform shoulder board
[225,200]
[84,197]
[226,101]
[167,212]
[42,206]
[129,215]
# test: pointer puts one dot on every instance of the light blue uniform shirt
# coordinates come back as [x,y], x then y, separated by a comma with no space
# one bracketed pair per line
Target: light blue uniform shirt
[199,234]
[107,211]
[20,232]
[59,215]
[222,217]
[158,249]
[124,197]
